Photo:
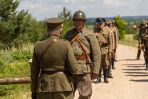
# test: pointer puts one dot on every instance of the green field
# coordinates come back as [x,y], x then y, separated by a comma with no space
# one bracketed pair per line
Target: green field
[129,40]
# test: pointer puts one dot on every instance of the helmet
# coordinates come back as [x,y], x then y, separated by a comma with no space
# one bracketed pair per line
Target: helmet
[79,15]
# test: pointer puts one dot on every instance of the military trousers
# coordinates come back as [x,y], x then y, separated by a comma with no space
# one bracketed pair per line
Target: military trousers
[55,95]
[146,52]
[83,83]
[146,55]
[104,61]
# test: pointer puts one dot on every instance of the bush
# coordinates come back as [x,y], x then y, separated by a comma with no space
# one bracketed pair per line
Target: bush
[121,24]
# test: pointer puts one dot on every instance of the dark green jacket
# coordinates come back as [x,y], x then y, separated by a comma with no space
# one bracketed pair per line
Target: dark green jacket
[58,57]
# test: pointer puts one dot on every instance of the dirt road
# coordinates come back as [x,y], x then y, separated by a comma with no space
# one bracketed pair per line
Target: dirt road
[130,78]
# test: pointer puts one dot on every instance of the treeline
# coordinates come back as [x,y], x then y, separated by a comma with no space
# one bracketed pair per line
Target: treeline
[17,27]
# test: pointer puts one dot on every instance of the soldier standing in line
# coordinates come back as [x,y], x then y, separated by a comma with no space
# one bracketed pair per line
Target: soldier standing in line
[116,35]
[109,27]
[87,53]
[142,30]
[145,44]
[104,39]
[52,65]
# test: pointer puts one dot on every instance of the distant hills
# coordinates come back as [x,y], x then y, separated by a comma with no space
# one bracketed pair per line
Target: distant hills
[128,19]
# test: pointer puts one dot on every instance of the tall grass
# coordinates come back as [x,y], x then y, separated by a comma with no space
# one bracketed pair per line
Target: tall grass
[14,63]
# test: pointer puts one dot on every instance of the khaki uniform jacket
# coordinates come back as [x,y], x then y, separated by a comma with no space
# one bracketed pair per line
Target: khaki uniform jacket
[116,35]
[113,39]
[105,36]
[58,57]
[92,49]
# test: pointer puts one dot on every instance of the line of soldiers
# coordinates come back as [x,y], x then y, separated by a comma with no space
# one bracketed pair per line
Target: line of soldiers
[60,67]
[143,40]
[107,36]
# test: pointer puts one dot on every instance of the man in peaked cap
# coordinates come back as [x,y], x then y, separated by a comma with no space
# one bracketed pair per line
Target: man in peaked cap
[52,65]
[104,39]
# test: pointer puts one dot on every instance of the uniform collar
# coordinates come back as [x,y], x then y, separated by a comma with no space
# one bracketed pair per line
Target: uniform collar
[54,37]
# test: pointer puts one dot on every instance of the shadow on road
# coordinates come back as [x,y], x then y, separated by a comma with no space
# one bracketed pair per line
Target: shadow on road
[140,80]
[134,64]
[137,75]
[127,60]
[133,69]
[136,71]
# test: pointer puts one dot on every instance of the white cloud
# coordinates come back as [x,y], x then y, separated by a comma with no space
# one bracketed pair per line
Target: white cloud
[119,3]
[78,1]
[50,8]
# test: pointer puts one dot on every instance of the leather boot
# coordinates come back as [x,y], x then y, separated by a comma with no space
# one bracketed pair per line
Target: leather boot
[105,76]
[109,75]
[113,67]
[138,54]
[146,64]
[99,76]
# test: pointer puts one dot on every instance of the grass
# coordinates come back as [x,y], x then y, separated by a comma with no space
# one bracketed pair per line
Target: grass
[13,64]
[129,40]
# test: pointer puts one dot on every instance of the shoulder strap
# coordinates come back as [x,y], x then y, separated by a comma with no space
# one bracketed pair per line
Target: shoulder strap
[49,45]
[73,38]
[85,52]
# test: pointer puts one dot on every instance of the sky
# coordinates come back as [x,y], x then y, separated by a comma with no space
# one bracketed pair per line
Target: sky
[41,9]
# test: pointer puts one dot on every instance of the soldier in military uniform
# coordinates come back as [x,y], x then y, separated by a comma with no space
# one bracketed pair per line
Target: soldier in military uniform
[145,44]
[114,34]
[52,65]
[104,38]
[87,52]
[142,30]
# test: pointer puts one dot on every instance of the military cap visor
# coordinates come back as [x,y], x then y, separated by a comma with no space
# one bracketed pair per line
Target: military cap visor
[99,22]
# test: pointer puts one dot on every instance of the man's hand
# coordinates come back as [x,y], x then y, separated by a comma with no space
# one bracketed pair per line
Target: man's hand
[110,55]
[94,76]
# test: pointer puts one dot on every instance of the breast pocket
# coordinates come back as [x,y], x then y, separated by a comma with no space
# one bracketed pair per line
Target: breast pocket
[76,49]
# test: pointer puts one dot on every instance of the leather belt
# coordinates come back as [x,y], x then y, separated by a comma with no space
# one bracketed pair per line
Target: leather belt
[81,57]
[51,72]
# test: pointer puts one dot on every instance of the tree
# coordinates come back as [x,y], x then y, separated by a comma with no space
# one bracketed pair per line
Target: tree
[16,27]
[8,8]
[121,24]
[67,17]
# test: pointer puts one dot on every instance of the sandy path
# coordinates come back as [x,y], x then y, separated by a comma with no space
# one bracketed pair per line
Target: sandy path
[130,78]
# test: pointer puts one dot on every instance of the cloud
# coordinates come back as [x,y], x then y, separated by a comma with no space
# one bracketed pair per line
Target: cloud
[50,8]
[78,1]
[120,3]
[41,8]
